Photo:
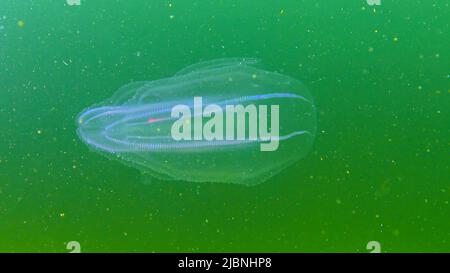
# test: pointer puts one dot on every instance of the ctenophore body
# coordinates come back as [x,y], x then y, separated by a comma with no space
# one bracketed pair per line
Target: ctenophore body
[223,120]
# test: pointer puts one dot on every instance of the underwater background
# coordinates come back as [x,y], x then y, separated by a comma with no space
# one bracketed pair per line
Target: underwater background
[378,170]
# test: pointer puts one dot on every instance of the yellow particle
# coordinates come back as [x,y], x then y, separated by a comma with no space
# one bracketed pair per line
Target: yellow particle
[375,30]
[282,12]
[39,132]
[395,39]
[170,5]
[172,16]
[254,76]
[370,49]
[21,23]
[80,121]
[62,214]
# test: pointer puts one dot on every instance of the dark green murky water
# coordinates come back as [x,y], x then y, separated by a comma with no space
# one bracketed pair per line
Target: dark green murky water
[378,171]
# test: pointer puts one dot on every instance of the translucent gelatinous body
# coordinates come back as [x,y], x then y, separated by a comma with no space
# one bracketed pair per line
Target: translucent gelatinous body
[136,125]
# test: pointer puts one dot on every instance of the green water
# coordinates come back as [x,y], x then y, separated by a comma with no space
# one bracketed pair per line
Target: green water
[378,171]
